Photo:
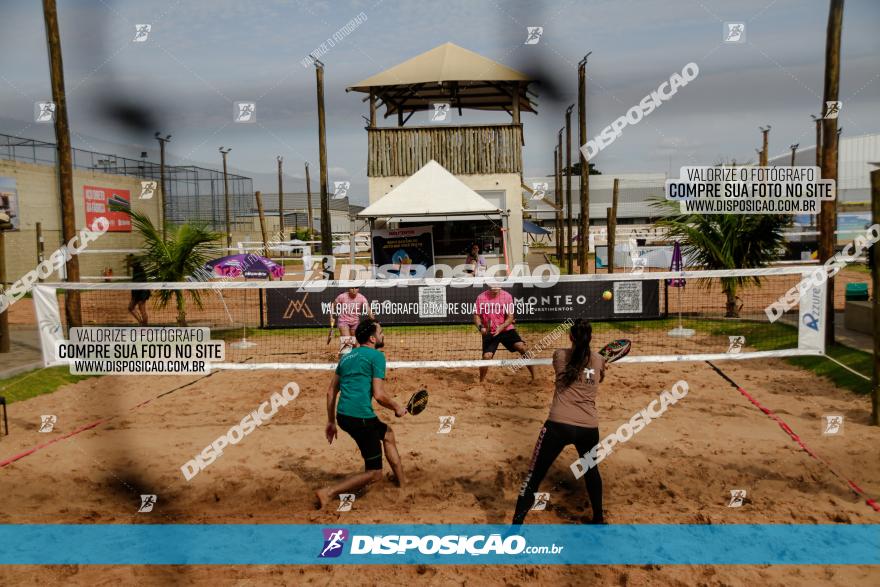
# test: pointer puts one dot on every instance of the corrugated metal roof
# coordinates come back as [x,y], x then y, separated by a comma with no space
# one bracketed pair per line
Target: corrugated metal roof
[854,158]
[635,193]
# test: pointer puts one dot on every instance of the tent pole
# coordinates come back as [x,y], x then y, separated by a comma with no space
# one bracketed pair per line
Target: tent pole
[351,241]
[505,235]
[372,252]
[679,308]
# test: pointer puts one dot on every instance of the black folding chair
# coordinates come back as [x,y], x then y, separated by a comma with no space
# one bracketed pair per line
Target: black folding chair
[5,421]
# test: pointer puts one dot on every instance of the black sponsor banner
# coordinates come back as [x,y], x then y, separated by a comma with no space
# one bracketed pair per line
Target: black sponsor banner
[427,304]
[403,246]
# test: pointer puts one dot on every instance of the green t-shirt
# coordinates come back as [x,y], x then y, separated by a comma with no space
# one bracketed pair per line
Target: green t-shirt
[356,371]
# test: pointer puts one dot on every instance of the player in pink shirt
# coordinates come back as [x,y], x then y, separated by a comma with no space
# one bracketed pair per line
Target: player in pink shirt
[493,317]
[348,307]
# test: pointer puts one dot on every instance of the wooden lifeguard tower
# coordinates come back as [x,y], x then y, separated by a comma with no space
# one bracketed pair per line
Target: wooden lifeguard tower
[485,157]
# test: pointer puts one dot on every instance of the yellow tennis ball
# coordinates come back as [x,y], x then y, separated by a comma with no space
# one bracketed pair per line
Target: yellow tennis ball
[606,295]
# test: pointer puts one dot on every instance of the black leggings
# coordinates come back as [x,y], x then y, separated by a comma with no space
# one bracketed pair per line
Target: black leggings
[553,438]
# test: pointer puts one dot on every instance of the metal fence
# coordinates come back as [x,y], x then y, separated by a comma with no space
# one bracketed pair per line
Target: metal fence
[192,193]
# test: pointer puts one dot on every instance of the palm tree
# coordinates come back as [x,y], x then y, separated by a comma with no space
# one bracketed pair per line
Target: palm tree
[726,241]
[181,253]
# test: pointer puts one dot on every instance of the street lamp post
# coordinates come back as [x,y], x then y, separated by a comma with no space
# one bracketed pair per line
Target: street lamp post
[226,198]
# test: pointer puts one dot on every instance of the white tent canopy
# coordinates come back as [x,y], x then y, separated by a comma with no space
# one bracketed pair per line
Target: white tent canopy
[430,191]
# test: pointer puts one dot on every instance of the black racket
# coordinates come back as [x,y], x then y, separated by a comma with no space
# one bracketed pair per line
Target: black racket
[616,349]
[418,402]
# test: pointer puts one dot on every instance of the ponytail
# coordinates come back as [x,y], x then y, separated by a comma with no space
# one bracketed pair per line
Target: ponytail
[581,335]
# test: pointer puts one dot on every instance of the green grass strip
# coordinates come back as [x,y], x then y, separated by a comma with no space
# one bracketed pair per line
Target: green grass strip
[37,382]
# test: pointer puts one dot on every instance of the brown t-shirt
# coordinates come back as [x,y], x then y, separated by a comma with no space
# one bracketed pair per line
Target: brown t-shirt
[575,404]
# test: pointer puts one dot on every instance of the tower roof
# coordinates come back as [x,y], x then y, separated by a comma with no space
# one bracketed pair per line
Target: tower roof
[452,74]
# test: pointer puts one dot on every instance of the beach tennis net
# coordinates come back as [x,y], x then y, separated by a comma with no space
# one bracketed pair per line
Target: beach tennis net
[695,315]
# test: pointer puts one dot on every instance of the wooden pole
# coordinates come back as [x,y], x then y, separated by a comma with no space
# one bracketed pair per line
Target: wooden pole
[280,200]
[765,153]
[794,149]
[584,224]
[5,344]
[561,202]
[309,202]
[226,200]
[372,108]
[72,309]
[558,199]
[612,226]
[818,121]
[40,245]
[161,190]
[875,292]
[259,196]
[828,215]
[569,236]
[326,235]
[514,112]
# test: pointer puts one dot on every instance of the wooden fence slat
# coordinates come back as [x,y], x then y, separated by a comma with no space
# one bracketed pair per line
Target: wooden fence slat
[463,150]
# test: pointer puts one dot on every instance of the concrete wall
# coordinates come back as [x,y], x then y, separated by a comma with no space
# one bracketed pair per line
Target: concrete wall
[39,201]
[509,183]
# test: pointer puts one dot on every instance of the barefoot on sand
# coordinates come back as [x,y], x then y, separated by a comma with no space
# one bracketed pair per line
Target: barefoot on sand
[321,499]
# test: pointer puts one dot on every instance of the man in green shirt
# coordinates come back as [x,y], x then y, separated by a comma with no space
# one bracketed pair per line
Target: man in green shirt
[358,379]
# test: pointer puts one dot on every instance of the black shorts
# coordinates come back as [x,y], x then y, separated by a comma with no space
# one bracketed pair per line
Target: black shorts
[508,338]
[368,434]
[140,295]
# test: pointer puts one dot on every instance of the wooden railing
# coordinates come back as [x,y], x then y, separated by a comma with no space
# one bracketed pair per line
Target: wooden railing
[462,150]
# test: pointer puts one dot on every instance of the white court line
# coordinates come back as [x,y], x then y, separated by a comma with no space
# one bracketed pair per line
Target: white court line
[522,362]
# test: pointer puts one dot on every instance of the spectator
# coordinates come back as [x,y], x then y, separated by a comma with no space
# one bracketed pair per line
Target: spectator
[476,263]
[137,307]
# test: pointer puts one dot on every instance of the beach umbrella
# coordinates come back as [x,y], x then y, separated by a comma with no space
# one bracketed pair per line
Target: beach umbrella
[248,266]
[676,266]
[679,283]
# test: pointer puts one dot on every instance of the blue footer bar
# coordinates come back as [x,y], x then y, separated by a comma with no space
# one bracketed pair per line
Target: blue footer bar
[212,544]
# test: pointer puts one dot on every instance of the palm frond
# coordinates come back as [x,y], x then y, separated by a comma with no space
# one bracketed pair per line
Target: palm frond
[179,254]
[725,241]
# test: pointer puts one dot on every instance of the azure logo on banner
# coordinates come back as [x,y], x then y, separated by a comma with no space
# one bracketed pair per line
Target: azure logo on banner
[812,308]
[334,541]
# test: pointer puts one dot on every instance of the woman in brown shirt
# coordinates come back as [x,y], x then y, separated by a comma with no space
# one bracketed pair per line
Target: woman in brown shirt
[573,419]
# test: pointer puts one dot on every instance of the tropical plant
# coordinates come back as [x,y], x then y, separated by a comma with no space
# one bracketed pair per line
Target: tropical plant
[726,241]
[181,253]
[302,234]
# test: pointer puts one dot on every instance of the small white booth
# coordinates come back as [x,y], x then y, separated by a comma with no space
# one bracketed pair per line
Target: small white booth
[457,215]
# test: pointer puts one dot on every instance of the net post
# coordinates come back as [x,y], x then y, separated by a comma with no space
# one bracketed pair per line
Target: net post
[665,299]
[811,314]
[45,299]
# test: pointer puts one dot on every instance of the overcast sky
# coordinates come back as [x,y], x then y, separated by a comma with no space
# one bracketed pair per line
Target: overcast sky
[201,56]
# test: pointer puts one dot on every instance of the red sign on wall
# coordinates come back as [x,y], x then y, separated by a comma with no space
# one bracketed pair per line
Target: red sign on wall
[97,204]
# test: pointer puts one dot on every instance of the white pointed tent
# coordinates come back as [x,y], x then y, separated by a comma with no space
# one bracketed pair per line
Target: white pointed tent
[430,191]
[434,192]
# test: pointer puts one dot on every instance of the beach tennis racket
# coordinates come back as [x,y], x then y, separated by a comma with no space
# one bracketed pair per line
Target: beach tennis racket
[616,349]
[418,402]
